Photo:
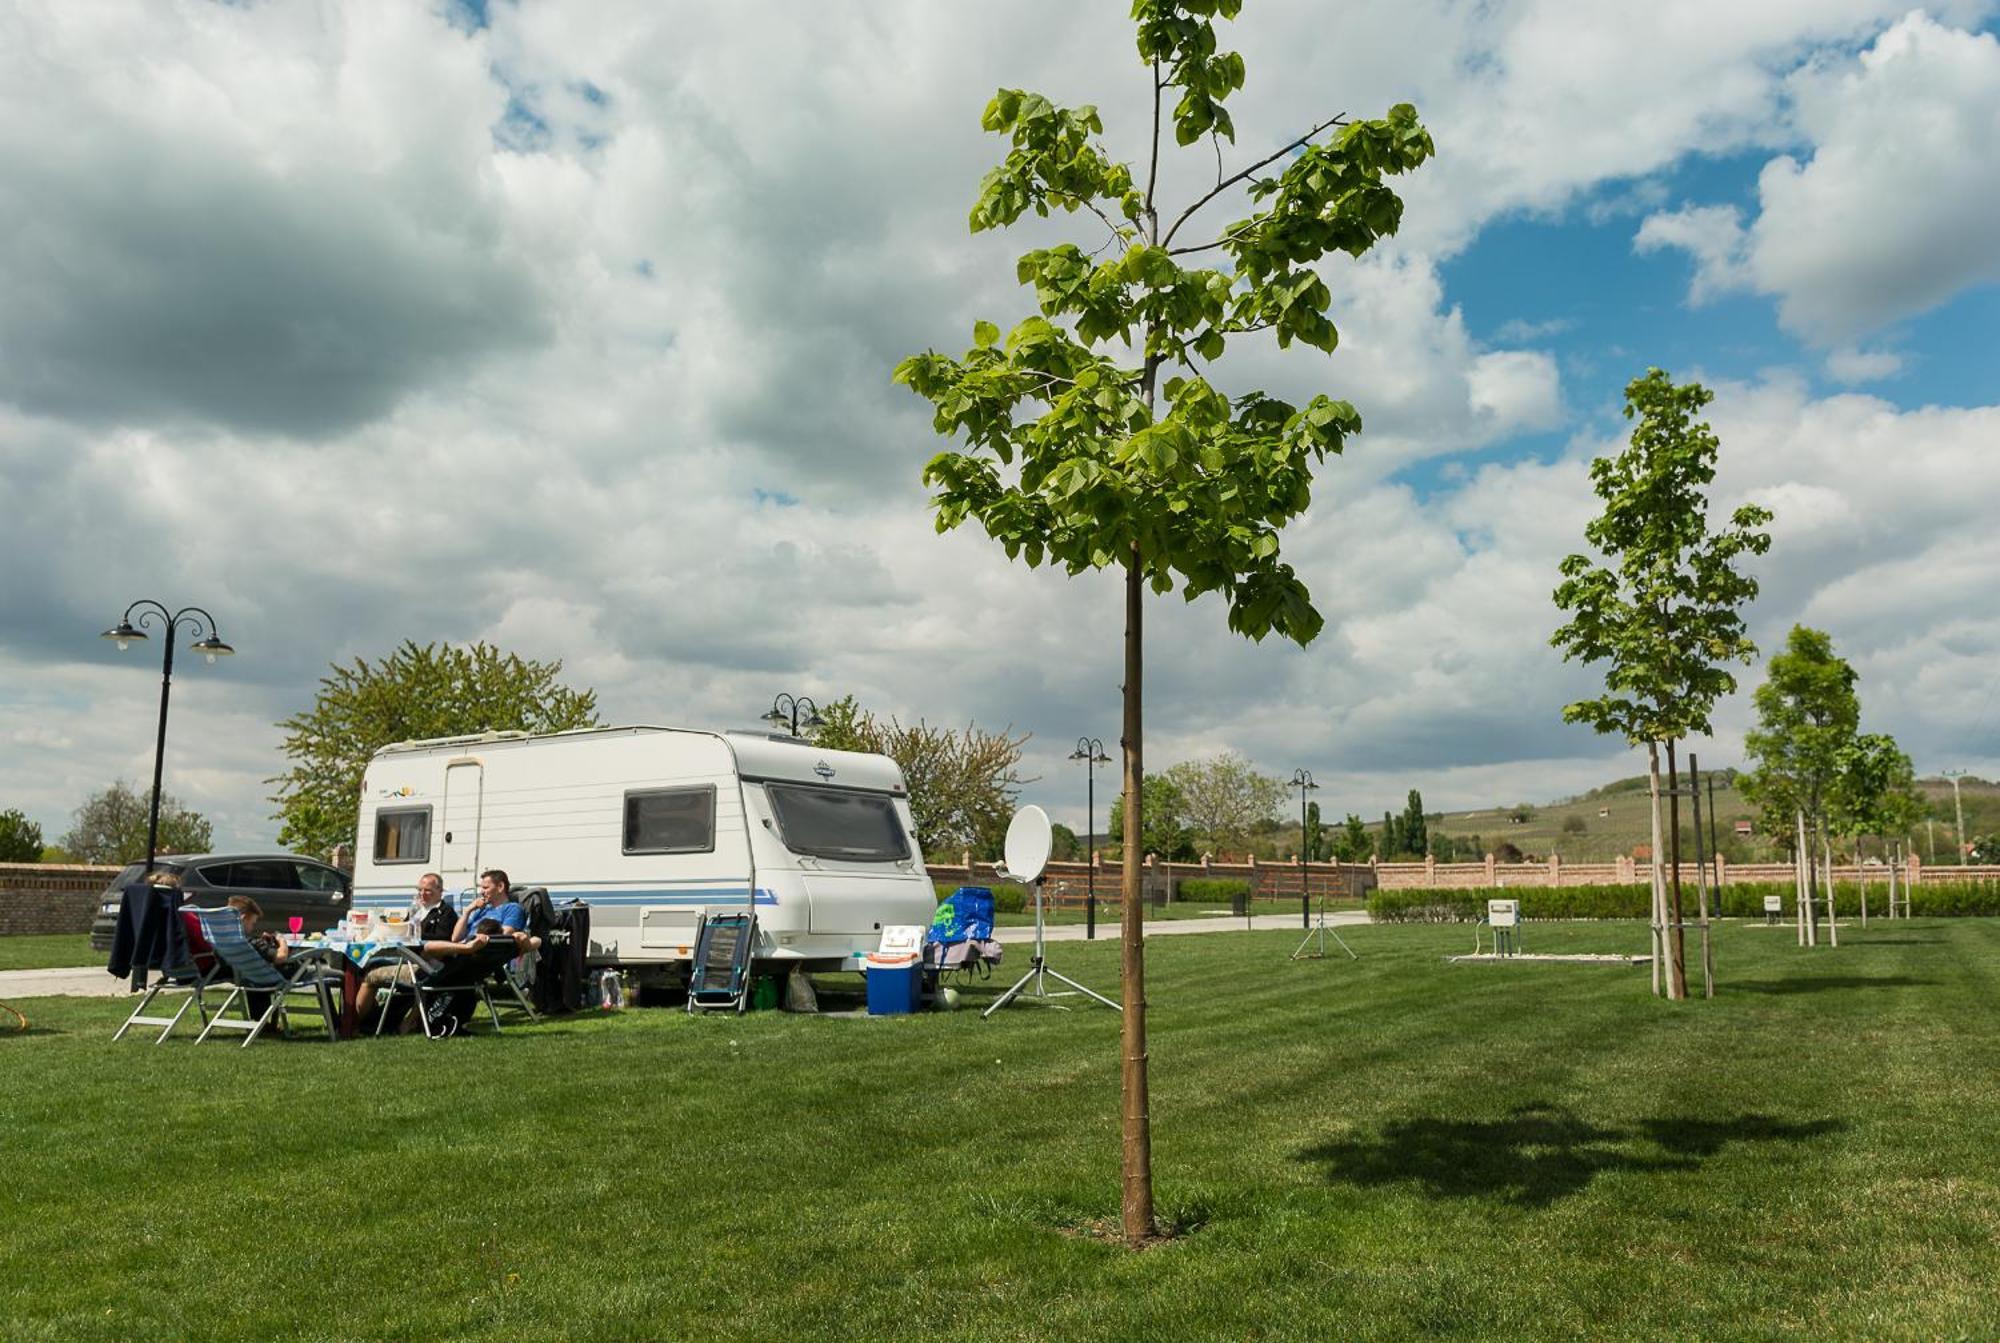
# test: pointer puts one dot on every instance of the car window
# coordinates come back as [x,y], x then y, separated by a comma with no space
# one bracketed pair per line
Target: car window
[263,874]
[313,877]
[129,873]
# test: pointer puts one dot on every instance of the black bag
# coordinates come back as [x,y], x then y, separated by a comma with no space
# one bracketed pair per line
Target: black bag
[560,981]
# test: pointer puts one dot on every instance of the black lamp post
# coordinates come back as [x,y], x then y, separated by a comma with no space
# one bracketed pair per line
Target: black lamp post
[209,645]
[785,710]
[1091,751]
[1302,780]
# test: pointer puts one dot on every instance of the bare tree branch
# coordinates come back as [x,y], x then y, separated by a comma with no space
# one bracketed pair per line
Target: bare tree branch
[1339,119]
[1153,171]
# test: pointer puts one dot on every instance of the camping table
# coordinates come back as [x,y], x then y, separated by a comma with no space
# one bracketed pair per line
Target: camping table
[353,960]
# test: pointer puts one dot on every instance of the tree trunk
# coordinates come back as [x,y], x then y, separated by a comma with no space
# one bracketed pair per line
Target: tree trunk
[1832,915]
[1677,970]
[1801,891]
[1653,868]
[1861,876]
[1137,1206]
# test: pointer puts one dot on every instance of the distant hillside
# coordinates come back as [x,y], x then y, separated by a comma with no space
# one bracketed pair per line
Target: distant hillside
[1611,819]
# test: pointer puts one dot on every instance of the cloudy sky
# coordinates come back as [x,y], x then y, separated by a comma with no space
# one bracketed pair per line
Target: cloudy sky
[570,327]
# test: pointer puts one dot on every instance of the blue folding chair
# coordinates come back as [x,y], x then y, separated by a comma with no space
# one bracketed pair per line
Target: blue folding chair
[250,973]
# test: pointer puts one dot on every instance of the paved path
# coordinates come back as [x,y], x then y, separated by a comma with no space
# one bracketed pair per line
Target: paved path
[85,981]
[90,981]
[1107,930]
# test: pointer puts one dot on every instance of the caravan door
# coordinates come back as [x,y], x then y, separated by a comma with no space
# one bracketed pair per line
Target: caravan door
[464,801]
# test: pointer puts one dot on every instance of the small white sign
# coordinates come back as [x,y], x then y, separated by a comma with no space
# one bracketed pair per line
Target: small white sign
[902,939]
[1503,913]
[1774,904]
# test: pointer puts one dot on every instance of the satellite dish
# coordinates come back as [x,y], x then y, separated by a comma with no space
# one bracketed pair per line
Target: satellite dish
[1028,838]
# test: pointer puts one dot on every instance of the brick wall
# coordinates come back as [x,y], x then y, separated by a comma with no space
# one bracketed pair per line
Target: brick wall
[1555,872]
[1069,883]
[49,897]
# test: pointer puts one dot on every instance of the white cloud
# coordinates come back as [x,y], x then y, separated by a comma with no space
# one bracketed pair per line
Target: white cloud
[1892,211]
[1713,235]
[1850,364]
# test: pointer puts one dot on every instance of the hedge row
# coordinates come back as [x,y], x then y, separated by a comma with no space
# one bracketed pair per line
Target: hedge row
[1464,905]
[1211,890]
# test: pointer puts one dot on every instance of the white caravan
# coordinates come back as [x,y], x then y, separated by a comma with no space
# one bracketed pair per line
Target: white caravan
[654,826]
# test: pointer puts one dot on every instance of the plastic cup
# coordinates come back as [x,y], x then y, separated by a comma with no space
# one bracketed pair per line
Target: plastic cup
[296,923]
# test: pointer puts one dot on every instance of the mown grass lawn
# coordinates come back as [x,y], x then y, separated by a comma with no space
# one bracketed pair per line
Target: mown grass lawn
[39,951]
[1385,1148]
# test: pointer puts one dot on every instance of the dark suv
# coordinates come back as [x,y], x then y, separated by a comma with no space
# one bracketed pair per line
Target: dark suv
[284,887]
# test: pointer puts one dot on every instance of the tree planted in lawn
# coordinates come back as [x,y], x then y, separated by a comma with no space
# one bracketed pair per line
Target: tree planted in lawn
[1093,435]
[1665,608]
[1808,716]
[1874,793]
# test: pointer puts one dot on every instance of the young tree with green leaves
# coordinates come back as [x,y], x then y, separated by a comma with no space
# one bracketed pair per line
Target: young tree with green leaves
[110,827]
[1351,843]
[1093,435]
[420,690]
[1313,842]
[1414,829]
[1663,605]
[1165,833]
[1808,717]
[1390,842]
[1874,793]
[20,838]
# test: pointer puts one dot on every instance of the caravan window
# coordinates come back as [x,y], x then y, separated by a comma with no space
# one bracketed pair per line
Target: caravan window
[670,820]
[833,823]
[403,835]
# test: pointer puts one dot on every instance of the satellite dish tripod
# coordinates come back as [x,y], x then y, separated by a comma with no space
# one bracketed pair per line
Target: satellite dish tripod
[1316,938]
[1039,974]
[1027,854]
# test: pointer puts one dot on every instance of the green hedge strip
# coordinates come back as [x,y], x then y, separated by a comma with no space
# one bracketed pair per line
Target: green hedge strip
[1464,905]
[1211,890]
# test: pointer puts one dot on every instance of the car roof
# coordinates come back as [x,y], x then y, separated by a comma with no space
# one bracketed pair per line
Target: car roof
[191,859]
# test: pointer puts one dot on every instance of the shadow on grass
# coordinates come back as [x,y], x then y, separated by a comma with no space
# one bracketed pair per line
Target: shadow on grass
[1537,1154]
[1827,983]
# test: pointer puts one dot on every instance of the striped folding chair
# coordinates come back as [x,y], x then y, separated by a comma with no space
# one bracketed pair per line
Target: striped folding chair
[190,982]
[250,973]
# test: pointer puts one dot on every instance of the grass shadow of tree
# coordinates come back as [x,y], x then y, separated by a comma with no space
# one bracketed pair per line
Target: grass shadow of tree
[1537,1154]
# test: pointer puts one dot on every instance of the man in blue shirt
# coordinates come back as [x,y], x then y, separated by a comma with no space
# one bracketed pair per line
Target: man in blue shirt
[494,901]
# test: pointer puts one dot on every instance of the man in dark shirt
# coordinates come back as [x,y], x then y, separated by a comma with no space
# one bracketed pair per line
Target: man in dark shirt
[434,920]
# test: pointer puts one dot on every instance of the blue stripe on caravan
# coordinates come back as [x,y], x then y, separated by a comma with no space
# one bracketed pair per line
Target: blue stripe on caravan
[700,896]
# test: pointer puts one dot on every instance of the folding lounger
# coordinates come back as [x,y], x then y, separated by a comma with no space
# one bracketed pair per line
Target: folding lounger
[720,979]
[462,977]
[250,973]
[191,981]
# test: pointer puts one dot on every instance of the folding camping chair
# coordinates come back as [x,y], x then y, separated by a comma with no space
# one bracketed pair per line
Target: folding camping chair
[202,970]
[719,980]
[250,973]
[960,938]
[441,991]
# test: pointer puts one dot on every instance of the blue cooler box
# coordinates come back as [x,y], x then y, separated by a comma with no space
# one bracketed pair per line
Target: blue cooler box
[895,984]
